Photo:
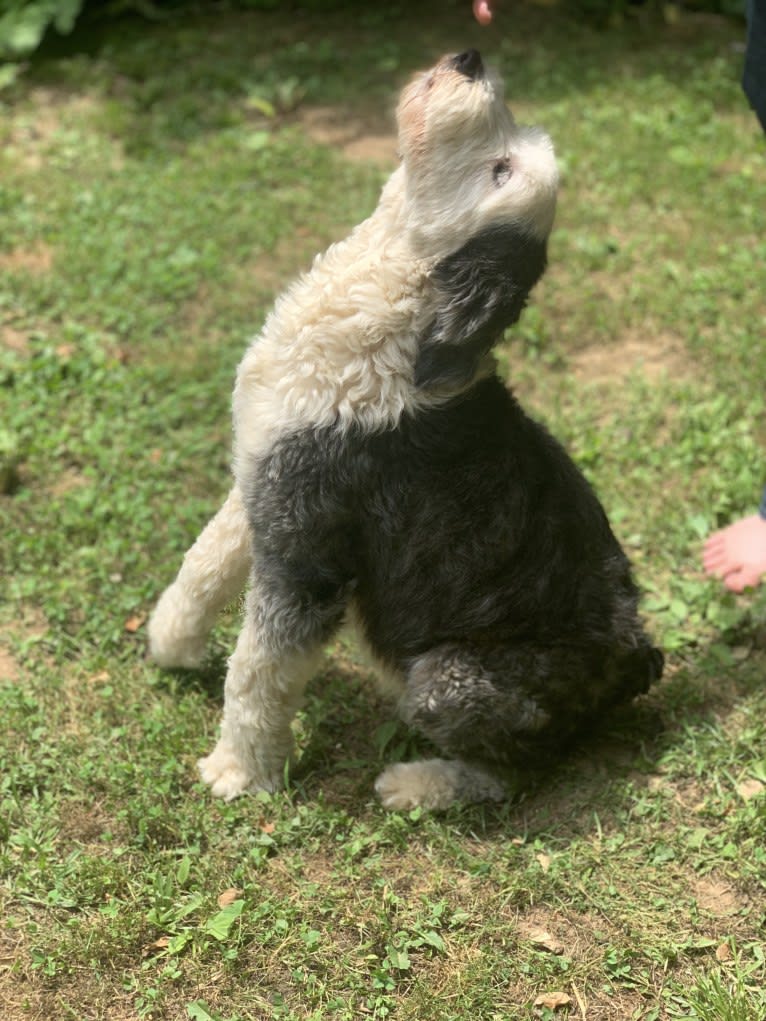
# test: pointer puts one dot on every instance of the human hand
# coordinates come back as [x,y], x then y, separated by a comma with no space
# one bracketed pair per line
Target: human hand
[737,554]
[482,11]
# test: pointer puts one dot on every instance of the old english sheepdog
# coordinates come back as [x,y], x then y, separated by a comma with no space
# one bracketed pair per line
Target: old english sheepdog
[384,473]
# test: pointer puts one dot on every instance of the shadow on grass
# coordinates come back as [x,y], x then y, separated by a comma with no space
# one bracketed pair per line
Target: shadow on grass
[348,733]
[207,680]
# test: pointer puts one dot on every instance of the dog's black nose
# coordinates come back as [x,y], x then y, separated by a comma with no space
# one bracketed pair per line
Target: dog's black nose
[469,63]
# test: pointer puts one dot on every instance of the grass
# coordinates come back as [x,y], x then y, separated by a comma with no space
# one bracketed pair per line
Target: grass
[159,182]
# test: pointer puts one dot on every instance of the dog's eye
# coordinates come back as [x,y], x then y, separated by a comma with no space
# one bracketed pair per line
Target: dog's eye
[501,172]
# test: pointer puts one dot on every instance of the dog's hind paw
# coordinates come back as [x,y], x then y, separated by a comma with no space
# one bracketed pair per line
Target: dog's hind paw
[435,784]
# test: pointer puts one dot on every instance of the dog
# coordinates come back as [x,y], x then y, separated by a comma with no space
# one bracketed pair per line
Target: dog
[383,472]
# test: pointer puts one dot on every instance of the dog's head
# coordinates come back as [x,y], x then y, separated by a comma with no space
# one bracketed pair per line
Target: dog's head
[480,197]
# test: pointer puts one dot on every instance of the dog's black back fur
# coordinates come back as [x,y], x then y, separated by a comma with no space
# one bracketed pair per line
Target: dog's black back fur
[481,563]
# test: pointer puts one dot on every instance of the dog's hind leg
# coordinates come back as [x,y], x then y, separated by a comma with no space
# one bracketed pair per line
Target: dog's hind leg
[452,695]
[435,784]
[213,573]
[279,648]
[507,705]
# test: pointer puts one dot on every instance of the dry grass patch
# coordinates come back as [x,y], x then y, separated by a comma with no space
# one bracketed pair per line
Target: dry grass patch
[654,355]
[34,127]
[363,138]
[9,668]
[35,260]
[14,340]
[718,898]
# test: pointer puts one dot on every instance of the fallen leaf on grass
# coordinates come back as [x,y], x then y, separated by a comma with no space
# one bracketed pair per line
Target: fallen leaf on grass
[132,624]
[229,896]
[749,789]
[199,1011]
[541,938]
[544,861]
[553,1000]
[723,953]
[739,653]
[159,944]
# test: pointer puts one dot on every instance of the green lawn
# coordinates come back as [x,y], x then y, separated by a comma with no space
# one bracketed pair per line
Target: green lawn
[159,183]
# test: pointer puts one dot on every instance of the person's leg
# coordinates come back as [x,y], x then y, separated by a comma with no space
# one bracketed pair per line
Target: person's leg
[737,554]
[754,74]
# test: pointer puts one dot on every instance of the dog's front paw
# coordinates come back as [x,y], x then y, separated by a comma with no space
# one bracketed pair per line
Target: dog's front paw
[435,784]
[228,777]
[225,776]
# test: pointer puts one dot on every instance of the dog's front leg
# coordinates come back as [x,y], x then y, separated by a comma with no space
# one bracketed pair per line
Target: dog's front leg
[213,573]
[275,656]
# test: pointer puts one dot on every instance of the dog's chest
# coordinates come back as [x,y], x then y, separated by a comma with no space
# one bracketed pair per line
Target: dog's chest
[314,480]
[338,350]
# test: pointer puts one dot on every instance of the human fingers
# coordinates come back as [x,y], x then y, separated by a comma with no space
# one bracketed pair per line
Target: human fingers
[482,11]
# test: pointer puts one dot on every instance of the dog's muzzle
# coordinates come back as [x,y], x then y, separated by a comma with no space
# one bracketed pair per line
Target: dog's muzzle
[469,63]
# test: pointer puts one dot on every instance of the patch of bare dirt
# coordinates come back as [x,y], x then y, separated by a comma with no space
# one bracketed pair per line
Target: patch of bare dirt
[9,668]
[689,795]
[364,139]
[69,480]
[53,109]
[14,991]
[85,824]
[716,897]
[654,357]
[270,272]
[14,340]
[750,788]
[545,930]
[30,623]
[36,260]
[27,1000]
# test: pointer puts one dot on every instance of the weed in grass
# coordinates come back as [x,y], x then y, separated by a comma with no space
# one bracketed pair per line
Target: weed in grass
[733,992]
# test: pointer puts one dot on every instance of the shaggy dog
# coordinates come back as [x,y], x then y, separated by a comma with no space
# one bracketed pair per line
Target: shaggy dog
[383,472]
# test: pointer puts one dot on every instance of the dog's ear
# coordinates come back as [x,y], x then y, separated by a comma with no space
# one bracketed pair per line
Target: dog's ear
[483,288]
